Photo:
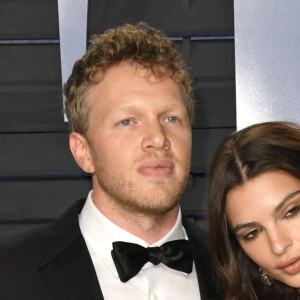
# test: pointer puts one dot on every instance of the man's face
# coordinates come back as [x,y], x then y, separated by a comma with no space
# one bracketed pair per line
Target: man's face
[139,139]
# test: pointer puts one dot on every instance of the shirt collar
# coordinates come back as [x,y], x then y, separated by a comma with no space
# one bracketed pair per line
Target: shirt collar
[99,232]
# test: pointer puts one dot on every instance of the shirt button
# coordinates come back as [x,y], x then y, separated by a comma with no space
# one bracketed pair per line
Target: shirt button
[154,297]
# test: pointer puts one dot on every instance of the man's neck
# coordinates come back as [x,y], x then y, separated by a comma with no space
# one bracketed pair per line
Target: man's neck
[149,227]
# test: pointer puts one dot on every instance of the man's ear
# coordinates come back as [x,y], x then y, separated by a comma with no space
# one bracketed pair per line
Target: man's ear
[81,152]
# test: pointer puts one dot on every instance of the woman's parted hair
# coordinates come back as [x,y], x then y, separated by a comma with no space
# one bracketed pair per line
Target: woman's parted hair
[244,155]
[139,44]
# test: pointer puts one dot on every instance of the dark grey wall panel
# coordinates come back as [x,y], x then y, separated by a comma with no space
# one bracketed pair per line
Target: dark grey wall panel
[36,154]
[193,199]
[209,60]
[40,198]
[211,63]
[175,17]
[36,19]
[30,65]
[215,106]
[28,19]
[205,143]
[31,109]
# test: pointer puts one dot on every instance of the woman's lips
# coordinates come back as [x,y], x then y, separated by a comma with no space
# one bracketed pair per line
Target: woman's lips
[156,168]
[292,266]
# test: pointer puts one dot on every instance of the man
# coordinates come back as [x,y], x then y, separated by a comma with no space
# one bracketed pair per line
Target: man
[129,105]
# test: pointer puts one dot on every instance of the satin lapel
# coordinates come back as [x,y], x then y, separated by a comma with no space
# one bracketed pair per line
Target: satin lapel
[71,275]
[68,271]
[207,284]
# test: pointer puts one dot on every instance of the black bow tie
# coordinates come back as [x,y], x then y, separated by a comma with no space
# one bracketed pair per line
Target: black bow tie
[129,258]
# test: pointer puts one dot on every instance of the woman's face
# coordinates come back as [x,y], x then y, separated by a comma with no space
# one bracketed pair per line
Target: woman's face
[264,214]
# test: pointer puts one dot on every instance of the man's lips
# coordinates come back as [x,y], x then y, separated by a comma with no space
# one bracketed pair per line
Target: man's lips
[156,168]
[291,266]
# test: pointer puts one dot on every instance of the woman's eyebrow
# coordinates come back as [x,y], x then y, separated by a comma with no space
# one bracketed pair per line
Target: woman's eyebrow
[284,200]
[241,226]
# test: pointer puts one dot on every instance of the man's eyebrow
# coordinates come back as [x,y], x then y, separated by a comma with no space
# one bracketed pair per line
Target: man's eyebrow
[286,199]
[241,226]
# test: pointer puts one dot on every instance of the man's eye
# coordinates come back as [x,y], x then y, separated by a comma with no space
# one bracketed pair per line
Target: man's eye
[172,119]
[126,122]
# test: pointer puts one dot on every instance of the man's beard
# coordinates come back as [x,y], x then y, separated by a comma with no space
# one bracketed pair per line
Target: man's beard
[131,196]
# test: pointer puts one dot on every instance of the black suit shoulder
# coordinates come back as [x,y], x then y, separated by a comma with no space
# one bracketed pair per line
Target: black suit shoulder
[51,262]
[19,261]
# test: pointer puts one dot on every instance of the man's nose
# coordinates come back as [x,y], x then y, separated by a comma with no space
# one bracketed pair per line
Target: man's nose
[155,137]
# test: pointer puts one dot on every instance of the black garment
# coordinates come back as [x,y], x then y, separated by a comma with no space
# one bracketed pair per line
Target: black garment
[53,263]
[129,258]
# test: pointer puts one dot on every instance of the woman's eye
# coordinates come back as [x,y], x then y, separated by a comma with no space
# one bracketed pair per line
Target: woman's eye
[292,212]
[251,235]
[126,122]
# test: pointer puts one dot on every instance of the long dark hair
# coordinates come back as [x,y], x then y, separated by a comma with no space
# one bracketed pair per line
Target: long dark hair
[244,155]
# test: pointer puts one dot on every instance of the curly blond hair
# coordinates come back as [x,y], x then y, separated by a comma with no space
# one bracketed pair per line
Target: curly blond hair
[140,44]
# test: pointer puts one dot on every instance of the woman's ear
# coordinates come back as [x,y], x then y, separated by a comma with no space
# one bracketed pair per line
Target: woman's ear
[81,151]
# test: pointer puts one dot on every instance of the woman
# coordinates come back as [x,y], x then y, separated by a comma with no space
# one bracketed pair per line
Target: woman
[254,212]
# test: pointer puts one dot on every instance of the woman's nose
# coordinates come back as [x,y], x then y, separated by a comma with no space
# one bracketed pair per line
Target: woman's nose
[280,241]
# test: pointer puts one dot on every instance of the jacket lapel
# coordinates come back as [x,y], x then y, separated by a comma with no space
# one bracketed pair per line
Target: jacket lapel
[202,260]
[68,271]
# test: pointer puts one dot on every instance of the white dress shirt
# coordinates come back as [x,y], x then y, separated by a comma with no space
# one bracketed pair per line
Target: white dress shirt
[152,282]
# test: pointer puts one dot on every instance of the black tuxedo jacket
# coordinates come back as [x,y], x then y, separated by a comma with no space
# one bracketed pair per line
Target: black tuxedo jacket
[53,263]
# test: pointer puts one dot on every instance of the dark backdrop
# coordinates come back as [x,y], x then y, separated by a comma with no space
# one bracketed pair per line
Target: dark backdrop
[38,177]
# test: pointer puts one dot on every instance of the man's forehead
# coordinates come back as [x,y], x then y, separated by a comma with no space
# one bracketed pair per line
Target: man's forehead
[154,73]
